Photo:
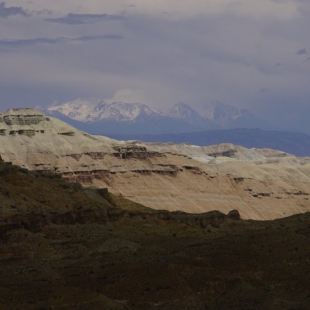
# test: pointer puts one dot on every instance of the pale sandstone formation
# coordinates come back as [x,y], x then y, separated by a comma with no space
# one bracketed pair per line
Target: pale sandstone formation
[261,184]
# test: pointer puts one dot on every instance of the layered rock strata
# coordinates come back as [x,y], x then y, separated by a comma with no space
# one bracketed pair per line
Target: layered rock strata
[261,184]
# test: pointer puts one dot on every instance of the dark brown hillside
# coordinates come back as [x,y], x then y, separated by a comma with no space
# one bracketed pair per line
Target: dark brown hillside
[63,247]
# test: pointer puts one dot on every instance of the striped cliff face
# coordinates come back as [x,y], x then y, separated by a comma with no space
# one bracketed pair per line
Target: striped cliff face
[260,183]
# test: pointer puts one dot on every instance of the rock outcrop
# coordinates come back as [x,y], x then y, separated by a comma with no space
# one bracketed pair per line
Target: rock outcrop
[21,118]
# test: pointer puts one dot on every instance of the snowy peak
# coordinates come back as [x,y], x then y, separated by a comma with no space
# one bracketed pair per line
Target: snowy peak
[122,117]
[80,109]
[183,111]
[227,116]
[220,112]
[122,112]
[93,111]
[216,115]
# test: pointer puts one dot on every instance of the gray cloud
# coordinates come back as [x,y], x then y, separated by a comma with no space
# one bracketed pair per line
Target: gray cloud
[13,10]
[99,38]
[302,51]
[81,19]
[243,61]
[37,41]
[20,43]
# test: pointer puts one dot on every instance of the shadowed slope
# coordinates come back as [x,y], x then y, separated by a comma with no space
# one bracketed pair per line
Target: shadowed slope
[63,247]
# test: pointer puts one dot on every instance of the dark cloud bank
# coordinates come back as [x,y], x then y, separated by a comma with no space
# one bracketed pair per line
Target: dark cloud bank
[302,51]
[81,19]
[29,42]
[13,10]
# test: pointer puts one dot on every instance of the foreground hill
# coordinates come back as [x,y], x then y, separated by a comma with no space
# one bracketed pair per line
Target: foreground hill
[261,184]
[65,247]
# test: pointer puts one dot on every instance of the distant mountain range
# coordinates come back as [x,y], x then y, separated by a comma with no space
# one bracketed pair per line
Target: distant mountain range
[227,117]
[216,123]
[98,117]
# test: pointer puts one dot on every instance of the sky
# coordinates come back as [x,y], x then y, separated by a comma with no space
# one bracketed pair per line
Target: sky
[252,54]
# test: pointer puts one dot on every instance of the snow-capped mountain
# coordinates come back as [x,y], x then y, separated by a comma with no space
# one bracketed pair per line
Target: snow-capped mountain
[125,112]
[83,111]
[217,115]
[184,112]
[79,109]
[98,117]
[221,112]
[118,117]
[227,116]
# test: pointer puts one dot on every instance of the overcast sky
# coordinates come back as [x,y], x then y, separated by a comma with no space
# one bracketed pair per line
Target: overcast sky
[247,53]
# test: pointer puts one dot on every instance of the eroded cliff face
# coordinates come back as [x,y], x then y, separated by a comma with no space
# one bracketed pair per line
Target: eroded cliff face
[12,122]
[21,120]
[261,184]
